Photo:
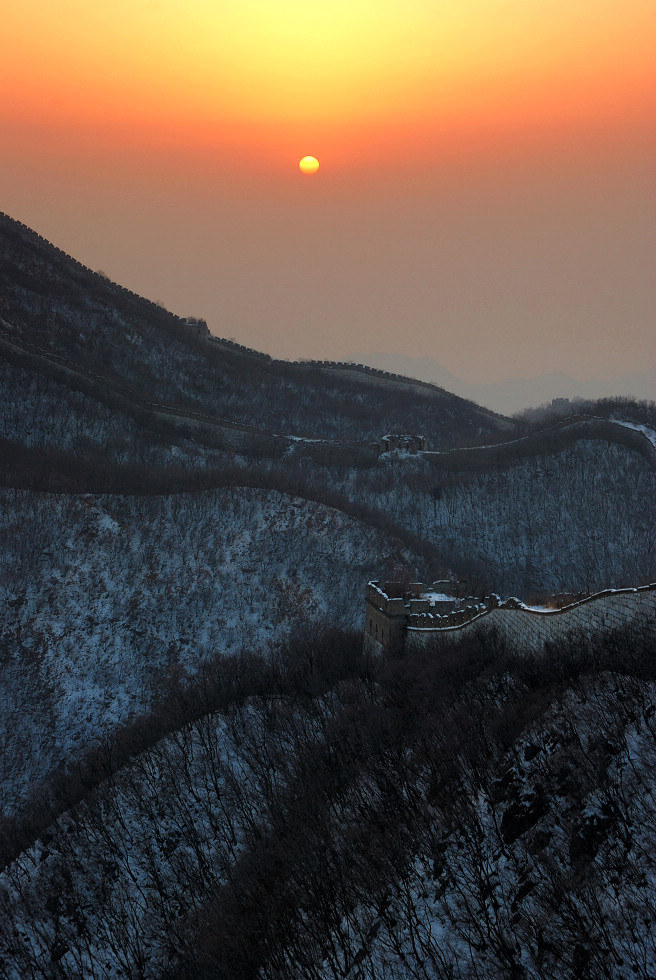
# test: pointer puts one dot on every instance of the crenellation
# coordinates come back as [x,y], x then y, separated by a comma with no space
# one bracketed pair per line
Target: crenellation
[407,616]
[406,443]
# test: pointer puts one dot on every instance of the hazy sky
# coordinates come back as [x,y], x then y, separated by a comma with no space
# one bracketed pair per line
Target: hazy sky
[486,187]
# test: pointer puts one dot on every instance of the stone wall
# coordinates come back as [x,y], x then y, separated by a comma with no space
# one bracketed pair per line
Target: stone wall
[553,439]
[409,443]
[385,621]
[216,433]
[529,630]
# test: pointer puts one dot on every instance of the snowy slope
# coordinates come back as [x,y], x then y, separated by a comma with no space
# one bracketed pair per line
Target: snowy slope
[100,596]
[476,823]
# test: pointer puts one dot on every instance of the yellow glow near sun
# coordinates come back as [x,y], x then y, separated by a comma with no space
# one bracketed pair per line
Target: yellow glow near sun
[308,165]
[241,68]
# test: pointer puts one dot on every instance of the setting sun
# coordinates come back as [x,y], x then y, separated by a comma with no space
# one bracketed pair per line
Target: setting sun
[486,169]
[308,165]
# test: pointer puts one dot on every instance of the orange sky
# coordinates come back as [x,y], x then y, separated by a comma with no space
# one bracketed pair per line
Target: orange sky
[142,112]
[271,75]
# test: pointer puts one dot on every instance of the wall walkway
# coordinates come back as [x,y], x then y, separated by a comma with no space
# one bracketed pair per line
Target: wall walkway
[528,630]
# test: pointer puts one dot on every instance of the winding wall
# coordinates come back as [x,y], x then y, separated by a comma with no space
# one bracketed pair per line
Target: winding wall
[528,630]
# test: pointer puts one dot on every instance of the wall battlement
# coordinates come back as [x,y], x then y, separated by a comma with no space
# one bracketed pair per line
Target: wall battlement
[405,443]
[391,607]
[398,622]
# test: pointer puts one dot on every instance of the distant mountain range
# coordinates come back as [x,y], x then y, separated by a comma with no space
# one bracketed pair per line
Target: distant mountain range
[514,394]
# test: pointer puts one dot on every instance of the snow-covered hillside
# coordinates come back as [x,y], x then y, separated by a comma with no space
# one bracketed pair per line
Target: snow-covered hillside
[474,817]
[100,596]
[546,869]
[582,518]
[203,774]
[56,305]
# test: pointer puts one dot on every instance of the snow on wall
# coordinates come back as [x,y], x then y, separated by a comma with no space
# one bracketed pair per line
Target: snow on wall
[529,630]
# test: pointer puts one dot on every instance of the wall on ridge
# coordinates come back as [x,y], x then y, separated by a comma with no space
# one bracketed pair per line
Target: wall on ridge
[551,440]
[528,630]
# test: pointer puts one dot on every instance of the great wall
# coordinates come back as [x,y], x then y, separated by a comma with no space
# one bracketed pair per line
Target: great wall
[392,621]
[238,437]
[401,617]
[258,442]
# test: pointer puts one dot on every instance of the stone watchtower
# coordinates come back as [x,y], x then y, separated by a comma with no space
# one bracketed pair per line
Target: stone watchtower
[385,617]
[407,443]
[392,607]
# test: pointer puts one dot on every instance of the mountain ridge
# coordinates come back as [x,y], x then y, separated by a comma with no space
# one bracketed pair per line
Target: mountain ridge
[106,326]
[514,394]
[206,775]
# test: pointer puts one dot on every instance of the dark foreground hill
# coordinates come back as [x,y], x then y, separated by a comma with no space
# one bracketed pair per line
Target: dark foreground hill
[463,813]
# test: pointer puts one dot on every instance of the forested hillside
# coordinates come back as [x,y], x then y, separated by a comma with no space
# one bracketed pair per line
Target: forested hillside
[102,596]
[50,301]
[203,775]
[459,814]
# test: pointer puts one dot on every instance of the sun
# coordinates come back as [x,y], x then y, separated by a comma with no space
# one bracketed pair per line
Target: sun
[308,165]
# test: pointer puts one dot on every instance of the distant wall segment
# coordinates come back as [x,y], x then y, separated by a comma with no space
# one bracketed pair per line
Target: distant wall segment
[551,440]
